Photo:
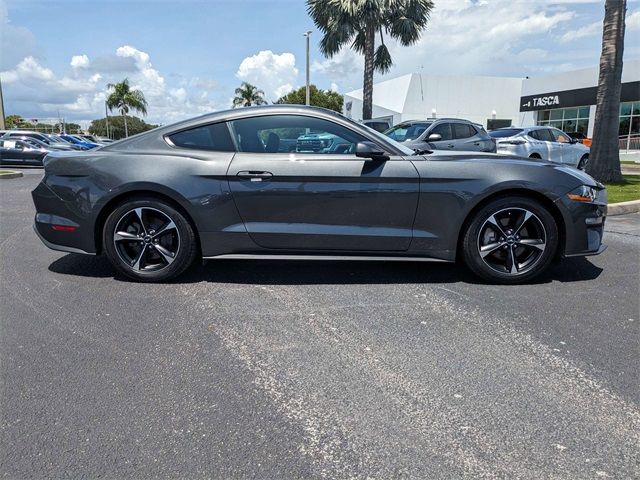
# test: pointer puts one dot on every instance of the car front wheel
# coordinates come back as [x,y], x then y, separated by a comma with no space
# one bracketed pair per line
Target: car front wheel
[149,240]
[582,165]
[510,240]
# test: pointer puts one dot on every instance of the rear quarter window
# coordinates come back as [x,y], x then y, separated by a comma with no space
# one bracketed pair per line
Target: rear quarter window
[214,137]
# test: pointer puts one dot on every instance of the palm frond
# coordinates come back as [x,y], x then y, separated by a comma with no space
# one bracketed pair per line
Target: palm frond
[382,61]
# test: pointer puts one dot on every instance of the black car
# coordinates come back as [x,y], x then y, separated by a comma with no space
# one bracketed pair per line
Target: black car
[21,153]
[218,186]
[443,134]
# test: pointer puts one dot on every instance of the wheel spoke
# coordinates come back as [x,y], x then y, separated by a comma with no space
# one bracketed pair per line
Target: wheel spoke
[169,226]
[136,265]
[494,221]
[168,256]
[139,214]
[488,249]
[527,216]
[533,243]
[120,236]
[512,261]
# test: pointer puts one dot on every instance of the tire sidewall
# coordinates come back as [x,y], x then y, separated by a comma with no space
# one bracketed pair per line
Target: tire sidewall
[470,243]
[188,244]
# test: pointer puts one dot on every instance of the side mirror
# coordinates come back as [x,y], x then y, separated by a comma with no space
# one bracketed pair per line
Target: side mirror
[434,137]
[574,140]
[370,150]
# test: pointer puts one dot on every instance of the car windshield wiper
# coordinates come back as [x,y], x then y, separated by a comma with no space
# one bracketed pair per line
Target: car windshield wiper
[421,151]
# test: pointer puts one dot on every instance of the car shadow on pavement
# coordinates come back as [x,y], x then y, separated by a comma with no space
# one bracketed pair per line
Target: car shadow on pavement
[276,272]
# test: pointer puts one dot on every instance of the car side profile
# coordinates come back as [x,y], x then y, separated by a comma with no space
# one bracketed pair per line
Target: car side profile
[442,134]
[21,153]
[218,186]
[546,143]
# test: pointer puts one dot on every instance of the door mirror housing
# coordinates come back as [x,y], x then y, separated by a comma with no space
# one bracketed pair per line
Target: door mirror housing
[434,137]
[371,151]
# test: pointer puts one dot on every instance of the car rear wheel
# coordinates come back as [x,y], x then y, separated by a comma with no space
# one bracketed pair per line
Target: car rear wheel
[534,155]
[149,240]
[584,161]
[510,240]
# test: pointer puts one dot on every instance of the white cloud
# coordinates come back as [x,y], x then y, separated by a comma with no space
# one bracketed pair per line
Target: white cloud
[35,90]
[632,22]
[16,42]
[590,30]
[79,61]
[273,73]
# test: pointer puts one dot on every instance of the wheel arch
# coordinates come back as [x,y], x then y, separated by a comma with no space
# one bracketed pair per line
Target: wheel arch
[517,192]
[108,207]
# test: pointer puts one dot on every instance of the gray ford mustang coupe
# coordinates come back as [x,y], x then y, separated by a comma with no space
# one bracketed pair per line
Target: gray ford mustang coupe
[239,184]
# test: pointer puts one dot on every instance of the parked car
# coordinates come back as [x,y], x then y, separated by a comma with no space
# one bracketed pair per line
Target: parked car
[77,141]
[20,153]
[581,137]
[377,124]
[45,138]
[442,134]
[154,202]
[542,142]
[34,142]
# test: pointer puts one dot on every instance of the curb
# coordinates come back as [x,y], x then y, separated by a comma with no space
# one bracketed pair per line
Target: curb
[623,207]
[7,176]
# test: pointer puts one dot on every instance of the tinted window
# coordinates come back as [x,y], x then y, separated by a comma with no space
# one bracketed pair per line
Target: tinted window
[407,131]
[444,130]
[207,137]
[544,134]
[462,130]
[293,133]
[505,132]
[560,137]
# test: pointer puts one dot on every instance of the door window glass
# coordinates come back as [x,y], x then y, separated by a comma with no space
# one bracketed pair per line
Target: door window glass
[294,133]
[214,137]
[462,130]
[560,137]
[444,130]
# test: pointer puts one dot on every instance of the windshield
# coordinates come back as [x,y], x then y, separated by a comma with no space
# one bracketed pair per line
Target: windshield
[407,131]
[505,132]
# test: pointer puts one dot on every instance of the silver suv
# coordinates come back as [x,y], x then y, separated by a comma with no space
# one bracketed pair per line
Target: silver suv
[442,134]
[546,143]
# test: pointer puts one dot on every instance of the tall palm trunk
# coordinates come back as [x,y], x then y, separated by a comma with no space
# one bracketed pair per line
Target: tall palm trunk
[369,57]
[126,130]
[604,162]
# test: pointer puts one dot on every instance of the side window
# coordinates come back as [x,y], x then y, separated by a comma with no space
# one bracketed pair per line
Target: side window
[462,130]
[560,137]
[444,130]
[214,137]
[534,134]
[543,134]
[293,133]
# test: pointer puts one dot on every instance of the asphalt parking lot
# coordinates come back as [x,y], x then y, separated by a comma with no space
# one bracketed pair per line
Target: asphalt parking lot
[315,369]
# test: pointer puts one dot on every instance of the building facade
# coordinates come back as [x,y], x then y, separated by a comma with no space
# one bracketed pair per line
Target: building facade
[565,100]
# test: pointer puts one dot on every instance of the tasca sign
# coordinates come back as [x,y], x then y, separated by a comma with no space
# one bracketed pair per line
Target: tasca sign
[547,101]
[580,97]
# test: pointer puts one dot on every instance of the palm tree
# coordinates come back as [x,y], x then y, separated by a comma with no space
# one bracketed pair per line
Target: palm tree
[124,99]
[247,95]
[604,161]
[356,23]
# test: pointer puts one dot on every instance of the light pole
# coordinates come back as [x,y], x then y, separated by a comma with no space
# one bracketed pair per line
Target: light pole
[2,124]
[307,35]
[106,118]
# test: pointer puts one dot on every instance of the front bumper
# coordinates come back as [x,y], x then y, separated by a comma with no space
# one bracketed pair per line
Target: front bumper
[584,224]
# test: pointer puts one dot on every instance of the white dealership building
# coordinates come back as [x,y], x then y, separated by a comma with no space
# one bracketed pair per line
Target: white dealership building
[564,100]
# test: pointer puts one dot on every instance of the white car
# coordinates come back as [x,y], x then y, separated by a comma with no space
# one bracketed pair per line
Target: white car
[541,142]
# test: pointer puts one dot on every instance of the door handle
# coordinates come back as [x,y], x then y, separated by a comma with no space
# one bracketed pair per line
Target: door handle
[450,145]
[477,144]
[254,176]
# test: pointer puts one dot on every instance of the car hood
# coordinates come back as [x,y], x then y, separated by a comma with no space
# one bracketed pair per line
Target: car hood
[501,159]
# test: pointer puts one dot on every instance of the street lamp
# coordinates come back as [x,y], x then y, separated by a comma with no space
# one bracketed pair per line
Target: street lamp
[307,35]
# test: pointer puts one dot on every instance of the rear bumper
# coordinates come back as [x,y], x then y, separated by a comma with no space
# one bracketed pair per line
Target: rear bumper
[59,248]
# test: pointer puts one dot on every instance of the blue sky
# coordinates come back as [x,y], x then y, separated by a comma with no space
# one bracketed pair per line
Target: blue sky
[189,55]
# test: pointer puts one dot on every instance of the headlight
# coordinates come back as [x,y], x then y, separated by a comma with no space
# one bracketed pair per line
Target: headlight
[583,194]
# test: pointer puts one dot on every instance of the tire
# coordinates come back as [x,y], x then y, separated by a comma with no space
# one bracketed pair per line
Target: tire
[584,161]
[495,234]
[159,250]
[535,155]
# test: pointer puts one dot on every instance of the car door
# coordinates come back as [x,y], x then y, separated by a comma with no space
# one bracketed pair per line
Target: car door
[446,133]
[565,146]
[13,152]
[320,196]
